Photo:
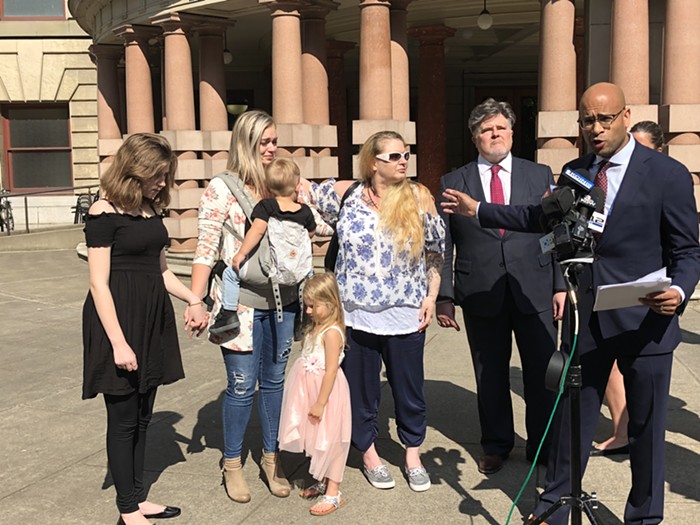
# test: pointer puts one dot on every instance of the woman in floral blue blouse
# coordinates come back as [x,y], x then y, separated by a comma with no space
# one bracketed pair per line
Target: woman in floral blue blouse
[389,262]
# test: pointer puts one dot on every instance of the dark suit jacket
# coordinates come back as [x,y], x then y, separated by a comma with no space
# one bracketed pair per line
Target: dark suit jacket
[485,261]
[654,223]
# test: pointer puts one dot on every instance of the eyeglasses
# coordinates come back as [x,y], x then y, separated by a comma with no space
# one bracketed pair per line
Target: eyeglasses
[588,123]
[394,157]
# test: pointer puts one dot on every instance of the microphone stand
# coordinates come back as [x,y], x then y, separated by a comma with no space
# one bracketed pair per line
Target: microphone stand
[578,500]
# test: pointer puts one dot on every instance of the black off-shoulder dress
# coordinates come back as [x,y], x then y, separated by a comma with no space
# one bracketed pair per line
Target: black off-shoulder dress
[143,307]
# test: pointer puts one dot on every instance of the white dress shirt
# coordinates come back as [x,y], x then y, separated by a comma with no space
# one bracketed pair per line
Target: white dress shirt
[484,167]
[615,173]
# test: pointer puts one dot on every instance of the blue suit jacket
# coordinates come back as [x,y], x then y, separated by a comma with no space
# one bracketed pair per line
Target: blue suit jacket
[486,261]
[654,223]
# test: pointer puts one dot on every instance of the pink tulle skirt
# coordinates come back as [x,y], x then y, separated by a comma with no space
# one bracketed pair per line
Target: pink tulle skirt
[326,442]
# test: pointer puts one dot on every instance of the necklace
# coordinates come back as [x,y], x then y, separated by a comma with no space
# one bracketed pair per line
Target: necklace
[370,200]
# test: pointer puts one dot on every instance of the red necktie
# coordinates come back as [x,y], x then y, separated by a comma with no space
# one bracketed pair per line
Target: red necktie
[497,196]
[601,180]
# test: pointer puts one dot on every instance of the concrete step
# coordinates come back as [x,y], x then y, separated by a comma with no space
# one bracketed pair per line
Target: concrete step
[59,238]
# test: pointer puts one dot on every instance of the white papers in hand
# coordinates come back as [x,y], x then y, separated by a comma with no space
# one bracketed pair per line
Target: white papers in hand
[623,295]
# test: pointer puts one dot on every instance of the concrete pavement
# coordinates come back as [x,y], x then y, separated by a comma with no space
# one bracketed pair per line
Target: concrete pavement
[53,464]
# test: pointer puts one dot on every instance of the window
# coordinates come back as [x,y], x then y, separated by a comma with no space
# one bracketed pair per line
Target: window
[37,149]
[32,8]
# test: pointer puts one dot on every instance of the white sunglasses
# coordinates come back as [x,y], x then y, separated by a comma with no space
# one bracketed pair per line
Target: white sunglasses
[394,157]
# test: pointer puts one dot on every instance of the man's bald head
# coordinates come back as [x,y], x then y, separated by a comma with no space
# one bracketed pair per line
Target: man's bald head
[604,118]
[603,91]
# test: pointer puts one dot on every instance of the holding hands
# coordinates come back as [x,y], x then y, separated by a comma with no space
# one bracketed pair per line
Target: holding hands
[196,318]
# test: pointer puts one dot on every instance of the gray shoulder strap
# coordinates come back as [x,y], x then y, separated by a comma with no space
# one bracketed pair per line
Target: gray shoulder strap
[239,191]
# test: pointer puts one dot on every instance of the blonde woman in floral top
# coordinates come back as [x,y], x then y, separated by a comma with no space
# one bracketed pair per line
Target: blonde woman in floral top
[391,245]
[259,355]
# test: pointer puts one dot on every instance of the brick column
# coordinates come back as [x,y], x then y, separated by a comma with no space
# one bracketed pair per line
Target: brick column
[335,52]
[400,85]
[139,91]
[431,129]
[557,129]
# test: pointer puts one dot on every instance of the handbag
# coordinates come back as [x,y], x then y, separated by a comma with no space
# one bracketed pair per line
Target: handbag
[331,256]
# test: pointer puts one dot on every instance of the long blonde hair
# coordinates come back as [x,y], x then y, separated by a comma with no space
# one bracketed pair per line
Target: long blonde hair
[323,288]
[244,151]
[142,157]
[400,214]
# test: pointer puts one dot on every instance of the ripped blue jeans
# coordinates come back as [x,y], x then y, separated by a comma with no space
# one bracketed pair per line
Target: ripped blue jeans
[264,367]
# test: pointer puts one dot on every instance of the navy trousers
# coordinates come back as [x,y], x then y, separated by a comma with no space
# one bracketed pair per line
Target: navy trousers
[403,358]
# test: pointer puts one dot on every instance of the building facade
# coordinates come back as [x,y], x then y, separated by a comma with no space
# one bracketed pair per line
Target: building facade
[48,112]
[333,72]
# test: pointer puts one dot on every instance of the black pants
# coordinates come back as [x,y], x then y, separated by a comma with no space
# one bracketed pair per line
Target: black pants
[127,420]
[403,359]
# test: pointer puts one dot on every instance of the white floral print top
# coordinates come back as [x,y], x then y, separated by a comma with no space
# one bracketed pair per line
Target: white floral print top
[370,274]
[216,206]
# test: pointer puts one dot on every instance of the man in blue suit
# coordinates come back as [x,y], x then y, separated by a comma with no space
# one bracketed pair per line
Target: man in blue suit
[504,284]
[651,222]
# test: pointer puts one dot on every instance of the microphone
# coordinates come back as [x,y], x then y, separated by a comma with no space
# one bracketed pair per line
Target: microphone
[556,206]
[594,201]
[579,180]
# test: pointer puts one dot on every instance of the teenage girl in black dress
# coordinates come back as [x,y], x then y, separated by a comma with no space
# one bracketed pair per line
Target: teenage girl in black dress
[129,330]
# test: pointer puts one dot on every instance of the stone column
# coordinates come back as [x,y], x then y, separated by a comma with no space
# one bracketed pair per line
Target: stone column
[212,82]
[106,58]
[313,63]
[287,88]
[679,114]
[431,126]
[400,85]
[139,94]
[178,79]
[375,61]
[335,52]
[680,90]
[629,57]
[557,129]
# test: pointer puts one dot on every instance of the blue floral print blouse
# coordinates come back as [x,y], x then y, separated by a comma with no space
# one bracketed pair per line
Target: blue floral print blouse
[370,273]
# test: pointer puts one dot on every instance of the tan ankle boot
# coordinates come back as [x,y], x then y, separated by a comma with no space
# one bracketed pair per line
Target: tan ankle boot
[276,480]
[234,481]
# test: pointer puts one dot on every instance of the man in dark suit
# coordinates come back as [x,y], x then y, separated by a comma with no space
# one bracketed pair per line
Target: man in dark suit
[651,222]
[504,284]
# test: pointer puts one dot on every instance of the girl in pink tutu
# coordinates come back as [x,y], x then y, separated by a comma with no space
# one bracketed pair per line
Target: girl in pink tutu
[316,404]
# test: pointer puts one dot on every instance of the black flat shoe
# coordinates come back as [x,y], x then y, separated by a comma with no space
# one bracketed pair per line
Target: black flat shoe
[169,512]
[618,451]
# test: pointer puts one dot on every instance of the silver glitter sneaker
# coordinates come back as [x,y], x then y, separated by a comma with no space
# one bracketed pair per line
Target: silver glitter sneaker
[379,477]
[418,478]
